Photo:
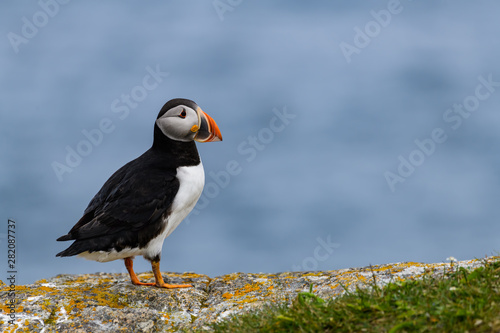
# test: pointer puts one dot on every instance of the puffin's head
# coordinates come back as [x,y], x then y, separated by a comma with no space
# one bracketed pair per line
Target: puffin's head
[183,120]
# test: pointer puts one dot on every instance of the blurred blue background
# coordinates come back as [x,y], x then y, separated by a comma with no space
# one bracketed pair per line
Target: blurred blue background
[355,83]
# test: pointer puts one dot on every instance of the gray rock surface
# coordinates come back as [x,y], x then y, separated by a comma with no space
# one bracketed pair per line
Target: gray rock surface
[109,302]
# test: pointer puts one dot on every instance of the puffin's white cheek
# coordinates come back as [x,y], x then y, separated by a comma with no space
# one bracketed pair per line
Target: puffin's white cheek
[164,125]
[175,128]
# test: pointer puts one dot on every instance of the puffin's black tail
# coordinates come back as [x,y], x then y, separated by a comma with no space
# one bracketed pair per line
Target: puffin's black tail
[70,251]
[67,252]
[104,243]
[65,238]
[73,249]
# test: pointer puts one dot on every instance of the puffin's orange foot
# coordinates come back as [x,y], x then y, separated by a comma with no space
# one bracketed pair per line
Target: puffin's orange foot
[155,265]
[129,264]
[139,283]
[172,286]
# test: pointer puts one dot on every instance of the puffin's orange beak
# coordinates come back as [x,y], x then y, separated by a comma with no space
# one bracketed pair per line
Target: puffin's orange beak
[208,131]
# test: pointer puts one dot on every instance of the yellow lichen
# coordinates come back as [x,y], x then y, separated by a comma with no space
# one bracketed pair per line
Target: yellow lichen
[319,273]
[247,300]
[246,289]
[193,275]
[227,296]
[361,277]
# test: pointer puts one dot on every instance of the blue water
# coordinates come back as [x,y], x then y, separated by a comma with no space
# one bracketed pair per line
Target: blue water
[318,105]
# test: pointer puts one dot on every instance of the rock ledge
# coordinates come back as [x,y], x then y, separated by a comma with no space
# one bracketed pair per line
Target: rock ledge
[109,302]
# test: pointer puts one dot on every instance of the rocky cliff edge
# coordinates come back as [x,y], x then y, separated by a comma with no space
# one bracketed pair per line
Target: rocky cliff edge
[104,302]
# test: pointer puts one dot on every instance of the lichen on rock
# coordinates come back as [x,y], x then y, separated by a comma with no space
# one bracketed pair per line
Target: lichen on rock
[104,302]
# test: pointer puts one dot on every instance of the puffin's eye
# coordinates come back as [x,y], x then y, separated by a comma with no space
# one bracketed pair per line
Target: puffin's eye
[182,114]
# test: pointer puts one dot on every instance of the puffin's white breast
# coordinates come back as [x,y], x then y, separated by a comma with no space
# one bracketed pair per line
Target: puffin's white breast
[192,180]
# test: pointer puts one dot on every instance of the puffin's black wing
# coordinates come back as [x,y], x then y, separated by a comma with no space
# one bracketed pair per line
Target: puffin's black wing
[127,211]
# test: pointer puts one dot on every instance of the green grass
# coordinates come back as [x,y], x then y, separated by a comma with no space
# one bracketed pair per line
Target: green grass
[458,301]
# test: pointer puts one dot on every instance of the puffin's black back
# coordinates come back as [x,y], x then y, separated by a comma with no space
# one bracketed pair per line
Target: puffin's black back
[127,211]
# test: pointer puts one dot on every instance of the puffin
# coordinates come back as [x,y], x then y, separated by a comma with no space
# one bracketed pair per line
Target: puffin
[146,199]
